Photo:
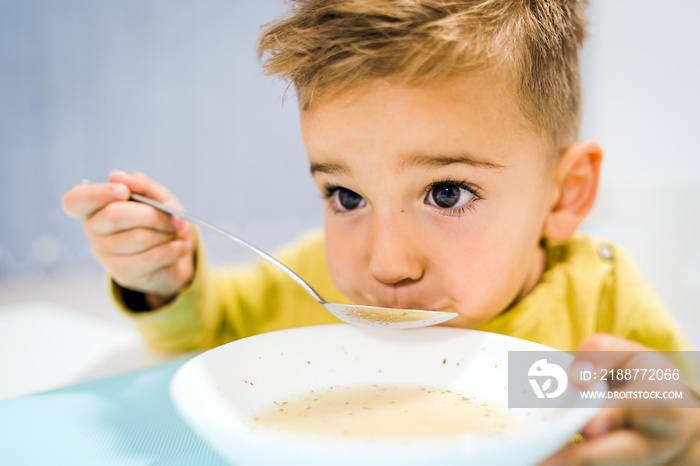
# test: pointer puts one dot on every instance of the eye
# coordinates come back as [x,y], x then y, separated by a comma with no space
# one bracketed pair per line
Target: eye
[344,199]
[449,195]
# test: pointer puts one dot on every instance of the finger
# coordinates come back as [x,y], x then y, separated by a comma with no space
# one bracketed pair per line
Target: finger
[605,421]
[622,447]
[136,271]
[171,280]
[658,422]
[121,216]
[608,342]
[137,240]
[602,351]
[142,184]
[132,241]
[691,456]
[84,200]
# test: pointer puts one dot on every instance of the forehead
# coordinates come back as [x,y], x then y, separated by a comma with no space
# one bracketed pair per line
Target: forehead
[484,81]
[475,113]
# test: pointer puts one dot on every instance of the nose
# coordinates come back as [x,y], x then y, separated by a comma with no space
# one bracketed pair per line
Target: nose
[393,257]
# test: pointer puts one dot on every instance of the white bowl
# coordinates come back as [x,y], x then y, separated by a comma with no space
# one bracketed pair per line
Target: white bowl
[220,391]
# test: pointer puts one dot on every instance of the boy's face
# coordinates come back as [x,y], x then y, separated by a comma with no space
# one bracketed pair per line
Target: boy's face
[436,195]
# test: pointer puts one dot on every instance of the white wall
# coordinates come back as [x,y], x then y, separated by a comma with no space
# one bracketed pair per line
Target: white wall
[641,75]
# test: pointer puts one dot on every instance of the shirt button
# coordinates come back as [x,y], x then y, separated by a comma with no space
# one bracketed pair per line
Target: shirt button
[605,252]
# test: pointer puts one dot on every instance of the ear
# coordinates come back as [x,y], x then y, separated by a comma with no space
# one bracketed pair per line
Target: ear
[577,174]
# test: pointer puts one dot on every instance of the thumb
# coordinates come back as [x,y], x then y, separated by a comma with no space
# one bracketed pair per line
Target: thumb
[84,200]
[139,183]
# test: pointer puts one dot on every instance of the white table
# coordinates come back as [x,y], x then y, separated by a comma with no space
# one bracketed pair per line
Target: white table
[45,346]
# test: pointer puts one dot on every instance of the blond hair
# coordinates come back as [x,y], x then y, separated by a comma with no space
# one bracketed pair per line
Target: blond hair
[331,45]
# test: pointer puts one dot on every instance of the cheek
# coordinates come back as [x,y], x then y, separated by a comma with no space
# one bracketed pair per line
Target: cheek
[482,269]
[463,266]
[342,257]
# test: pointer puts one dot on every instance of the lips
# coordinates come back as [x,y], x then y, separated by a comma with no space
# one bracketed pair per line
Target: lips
[397,302]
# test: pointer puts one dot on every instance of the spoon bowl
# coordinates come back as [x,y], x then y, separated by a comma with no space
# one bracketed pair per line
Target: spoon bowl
[373,316]
[364,316]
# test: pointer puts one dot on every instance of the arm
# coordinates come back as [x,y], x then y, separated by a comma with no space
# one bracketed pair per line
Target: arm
[222,305]
[158,265]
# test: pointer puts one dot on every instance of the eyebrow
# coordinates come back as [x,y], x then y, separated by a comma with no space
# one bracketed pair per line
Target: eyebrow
[417,160]
[444,160]
[330,168]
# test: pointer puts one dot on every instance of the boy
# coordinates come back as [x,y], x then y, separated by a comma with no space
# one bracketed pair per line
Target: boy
[442,135]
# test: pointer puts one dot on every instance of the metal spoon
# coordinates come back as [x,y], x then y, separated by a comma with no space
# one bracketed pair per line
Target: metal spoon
[364,316]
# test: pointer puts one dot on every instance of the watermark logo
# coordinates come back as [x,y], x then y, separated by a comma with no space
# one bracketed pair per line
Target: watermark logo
[545,379]
[546,372]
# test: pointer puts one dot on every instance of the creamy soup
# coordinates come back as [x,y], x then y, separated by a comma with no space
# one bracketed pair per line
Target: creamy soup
[374,411]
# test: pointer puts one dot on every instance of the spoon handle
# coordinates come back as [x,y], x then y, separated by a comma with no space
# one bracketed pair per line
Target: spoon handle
[264,255]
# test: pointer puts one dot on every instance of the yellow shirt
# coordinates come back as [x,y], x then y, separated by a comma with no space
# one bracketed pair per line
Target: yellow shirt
[588,287]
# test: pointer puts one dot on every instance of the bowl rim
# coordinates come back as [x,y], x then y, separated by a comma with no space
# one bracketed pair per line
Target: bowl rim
[410,447]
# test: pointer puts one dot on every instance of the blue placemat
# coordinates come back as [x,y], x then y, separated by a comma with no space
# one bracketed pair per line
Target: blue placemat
[123,420]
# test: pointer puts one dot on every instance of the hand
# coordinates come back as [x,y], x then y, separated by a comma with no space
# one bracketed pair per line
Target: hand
[625,435]
[142,248]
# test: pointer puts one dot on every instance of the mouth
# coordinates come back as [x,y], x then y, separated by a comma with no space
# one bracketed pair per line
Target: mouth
[408,305]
